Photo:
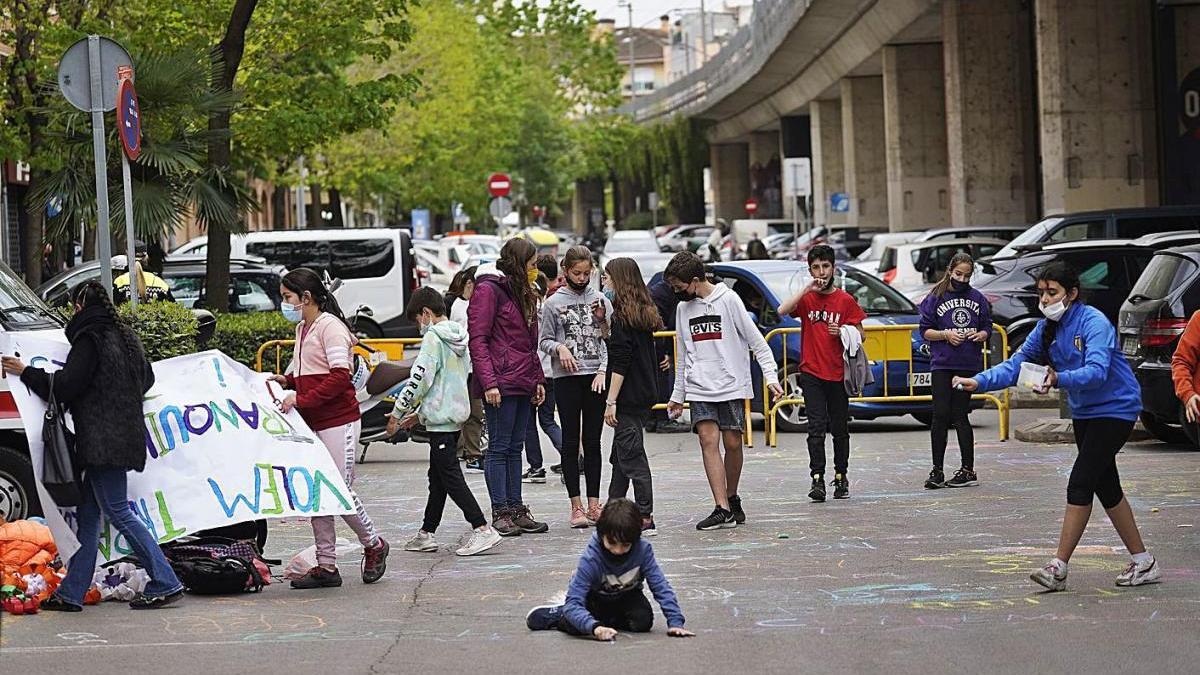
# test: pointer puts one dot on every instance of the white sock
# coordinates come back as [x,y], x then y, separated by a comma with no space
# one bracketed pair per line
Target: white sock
[1062,567]
[1143,559]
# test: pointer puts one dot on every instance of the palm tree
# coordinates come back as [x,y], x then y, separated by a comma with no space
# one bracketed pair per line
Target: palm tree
[171,178]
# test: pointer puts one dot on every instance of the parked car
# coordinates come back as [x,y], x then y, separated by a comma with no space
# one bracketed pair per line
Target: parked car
[911,267]
[1107,270]
[685,238]
[441,259]
[847,241]
[1149,325]
[763,285]
[629,244]
[254,284]
[477,244]
[376,267]
[868,260]
[1110,224]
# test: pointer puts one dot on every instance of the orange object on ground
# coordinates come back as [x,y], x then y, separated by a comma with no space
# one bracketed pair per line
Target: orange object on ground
[24,543]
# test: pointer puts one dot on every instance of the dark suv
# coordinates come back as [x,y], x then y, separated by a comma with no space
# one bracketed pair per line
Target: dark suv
[1149,326]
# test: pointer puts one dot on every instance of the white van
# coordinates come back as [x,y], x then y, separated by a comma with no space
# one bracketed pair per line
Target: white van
[375,265]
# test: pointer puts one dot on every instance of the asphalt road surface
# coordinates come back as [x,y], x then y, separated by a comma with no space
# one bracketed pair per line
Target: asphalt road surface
[896,579]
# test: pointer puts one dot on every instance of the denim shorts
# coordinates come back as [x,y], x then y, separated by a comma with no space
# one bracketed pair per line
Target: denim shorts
[729,415]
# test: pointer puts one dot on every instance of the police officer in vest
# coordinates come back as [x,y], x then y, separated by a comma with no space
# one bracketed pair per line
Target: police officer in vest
[149,286]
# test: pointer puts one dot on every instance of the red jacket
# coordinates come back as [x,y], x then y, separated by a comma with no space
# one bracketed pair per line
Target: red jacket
[1185,364]
[321,374]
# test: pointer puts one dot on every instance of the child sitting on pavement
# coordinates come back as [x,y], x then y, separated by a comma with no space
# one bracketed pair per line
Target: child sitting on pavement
[605,594]
[436,394]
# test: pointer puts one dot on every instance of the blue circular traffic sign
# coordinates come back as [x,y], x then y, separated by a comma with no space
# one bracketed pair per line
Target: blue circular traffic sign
[129,120]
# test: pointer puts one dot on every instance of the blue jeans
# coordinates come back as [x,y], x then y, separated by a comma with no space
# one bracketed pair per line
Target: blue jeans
[545,416]
[508,424]
[106,490]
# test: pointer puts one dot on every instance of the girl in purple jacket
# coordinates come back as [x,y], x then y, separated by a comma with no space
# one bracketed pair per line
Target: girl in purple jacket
[956,320]
[502,323]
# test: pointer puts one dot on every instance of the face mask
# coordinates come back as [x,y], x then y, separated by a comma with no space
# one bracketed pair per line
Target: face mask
[1054,311]
[291,312]
[422,328]
[959,285]
[608,293]
[578,288]
[684,296]
[531,275]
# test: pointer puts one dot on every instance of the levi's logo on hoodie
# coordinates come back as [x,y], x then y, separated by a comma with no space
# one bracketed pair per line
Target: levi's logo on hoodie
[706,327]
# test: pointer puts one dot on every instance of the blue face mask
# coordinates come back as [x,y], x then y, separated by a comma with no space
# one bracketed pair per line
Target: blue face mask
[608,293]
[291,312]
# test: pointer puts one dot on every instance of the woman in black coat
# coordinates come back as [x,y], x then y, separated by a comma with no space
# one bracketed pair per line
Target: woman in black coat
[102,384]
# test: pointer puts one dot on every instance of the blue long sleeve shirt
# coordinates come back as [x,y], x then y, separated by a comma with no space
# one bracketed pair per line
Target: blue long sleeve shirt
[1093,372]
[598,572]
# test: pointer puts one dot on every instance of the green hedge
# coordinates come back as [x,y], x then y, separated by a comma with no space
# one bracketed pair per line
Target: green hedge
[165,328]
[240,335]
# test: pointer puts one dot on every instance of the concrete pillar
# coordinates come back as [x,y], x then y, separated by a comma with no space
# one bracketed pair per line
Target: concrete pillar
[914,112]
[990,123]
[588,196]
[795,140]
[862,150]
[730,177]
[1096,104]
[829,169]
[765,185]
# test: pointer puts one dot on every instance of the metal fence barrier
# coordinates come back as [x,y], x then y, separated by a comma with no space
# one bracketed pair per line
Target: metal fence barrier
[885,344]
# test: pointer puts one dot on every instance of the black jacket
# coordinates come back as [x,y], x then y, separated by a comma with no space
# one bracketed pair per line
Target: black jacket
[101,384]
[631,354]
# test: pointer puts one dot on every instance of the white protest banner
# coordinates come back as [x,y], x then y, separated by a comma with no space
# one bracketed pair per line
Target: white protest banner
[219,452]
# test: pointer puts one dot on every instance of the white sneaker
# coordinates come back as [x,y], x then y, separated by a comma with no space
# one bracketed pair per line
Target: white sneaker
[423,542]
[1049,577]
[1136,575]
[480,541]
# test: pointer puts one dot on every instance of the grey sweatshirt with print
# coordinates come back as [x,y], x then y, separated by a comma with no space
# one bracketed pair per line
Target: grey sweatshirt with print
[580,322]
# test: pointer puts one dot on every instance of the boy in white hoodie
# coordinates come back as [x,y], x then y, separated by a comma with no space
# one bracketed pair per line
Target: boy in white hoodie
[714,335]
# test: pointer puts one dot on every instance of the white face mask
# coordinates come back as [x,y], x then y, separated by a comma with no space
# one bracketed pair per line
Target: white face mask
[1055,310]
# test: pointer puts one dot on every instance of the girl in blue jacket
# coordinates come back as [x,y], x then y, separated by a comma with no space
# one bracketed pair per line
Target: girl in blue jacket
[1079,345]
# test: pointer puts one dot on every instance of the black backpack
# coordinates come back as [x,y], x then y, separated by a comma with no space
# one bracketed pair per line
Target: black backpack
[216,566]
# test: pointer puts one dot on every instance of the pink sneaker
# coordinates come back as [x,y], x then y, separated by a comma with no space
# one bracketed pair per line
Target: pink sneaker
[593,513]
[579,519]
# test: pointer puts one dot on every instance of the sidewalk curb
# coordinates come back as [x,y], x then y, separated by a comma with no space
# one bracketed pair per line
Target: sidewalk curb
[1054,430]
[1025,399]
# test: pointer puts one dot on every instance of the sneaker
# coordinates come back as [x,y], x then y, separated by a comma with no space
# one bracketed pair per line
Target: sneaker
[523,519]
[556,468]
[735,505]
[57,604]
[937,479]
[817,493]
[648,529]
[156,602]
[503,524]
[474,465]
[534,476]
[964,477]
[545,617]
[1136,575]
[579,519]
[422,542]
[1049,577]
[480,541]
[374,562]
[841,486]
[593,513]
[719,519]
[318,577]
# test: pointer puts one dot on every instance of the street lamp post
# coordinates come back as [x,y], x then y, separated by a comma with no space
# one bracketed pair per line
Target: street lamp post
[632,88]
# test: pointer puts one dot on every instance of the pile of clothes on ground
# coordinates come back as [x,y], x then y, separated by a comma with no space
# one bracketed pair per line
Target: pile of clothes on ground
[28,573]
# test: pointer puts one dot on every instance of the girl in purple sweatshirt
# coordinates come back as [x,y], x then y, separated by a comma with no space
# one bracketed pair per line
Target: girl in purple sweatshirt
[956,320]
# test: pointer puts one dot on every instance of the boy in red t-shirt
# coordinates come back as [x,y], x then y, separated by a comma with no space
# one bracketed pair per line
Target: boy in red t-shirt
[825,312]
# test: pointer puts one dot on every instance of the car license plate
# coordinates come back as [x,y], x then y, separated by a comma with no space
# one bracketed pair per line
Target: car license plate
[1129,344]
[920,379]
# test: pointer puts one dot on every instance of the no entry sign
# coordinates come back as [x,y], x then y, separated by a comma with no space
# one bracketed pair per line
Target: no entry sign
[751,206]
[499,185]
[129,119]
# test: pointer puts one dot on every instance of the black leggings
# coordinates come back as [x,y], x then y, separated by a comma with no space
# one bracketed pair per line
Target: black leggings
[581,413]
[950,409]
[1095,471]
[629,611]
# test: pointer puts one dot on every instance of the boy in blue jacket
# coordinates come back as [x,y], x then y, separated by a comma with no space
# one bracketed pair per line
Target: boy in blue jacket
[605,595]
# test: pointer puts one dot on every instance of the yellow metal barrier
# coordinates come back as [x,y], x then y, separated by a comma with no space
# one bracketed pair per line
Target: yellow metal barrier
[883,343]
[392,348]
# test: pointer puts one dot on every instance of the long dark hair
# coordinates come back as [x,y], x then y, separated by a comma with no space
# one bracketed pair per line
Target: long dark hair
[459,283]
[961,258]
[632,304]
[1068,278]
[303,280]
[514,257]
[94,294]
